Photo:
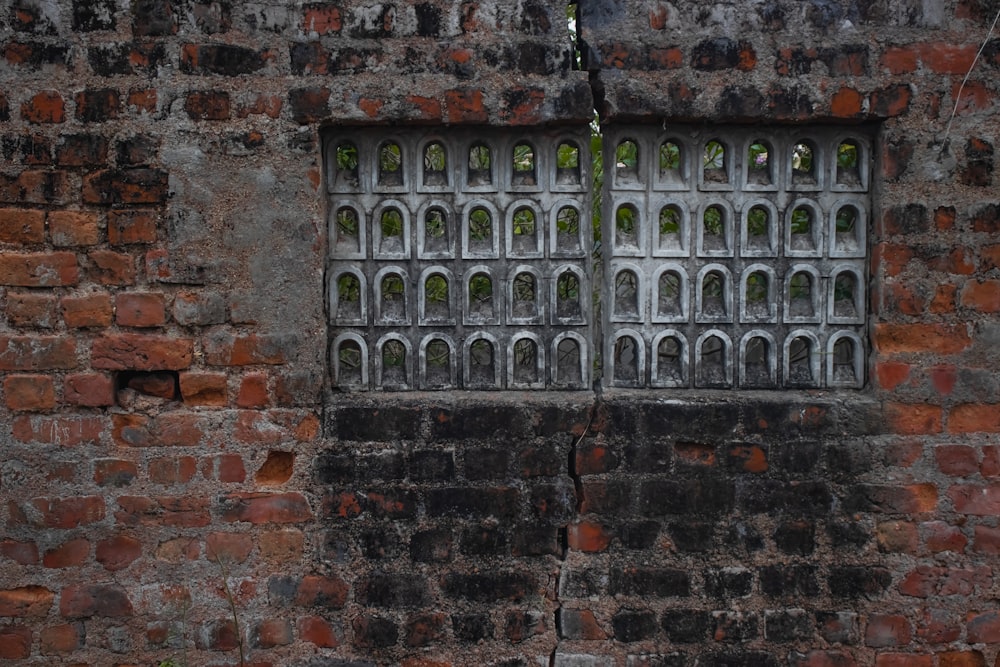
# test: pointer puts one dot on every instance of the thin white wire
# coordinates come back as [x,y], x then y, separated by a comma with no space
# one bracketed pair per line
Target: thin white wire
[958,96]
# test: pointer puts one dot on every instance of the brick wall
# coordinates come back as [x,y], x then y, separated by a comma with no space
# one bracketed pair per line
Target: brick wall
[171,450]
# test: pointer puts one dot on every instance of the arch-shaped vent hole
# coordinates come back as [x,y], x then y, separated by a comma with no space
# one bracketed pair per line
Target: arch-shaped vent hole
[713,294]
[436,300]
[756,359]
[482,363]
[626,294]
[670,227]
[393,292]
[347,165]
[436,231]
[480,165]
[481,295]
[480,229]
[627,226]
[802,229]
[525,361]
[523,163]
[348,297]
[567,164]
[757,295]
[800,361]
[670,162]
[758,228]
[759,163]
[804,167]
[714,228]
[390,164]
[391,223]
[843,361]
[435,164]
[627,160]
[848,163]
[523,229]
[844,289]
[525,295]
[568,295]
[568,361]
[713,362]
[626,361]
[348,229]
[438,359]
[669,295]
[714,163]
[846,232]
[568,229]
[349,363]
[393,363]
[800,295]
[668,359]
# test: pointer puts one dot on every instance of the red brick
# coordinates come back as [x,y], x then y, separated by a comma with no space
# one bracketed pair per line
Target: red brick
[927,581]
[913,418]
[309,105]
[976,499]
[933,338]
[172,470]
[321,18]
[86,600]
[35,186]
[588,537]
[262,105]
[961,659]
[171,429]
[22,553]
[465,106]
[891,374]
[982,296]
[891,258]
[900,59]
[370,107]
[26,601]
[938,626]
[943,378]
[112,268]
[73,228]
[944,218]
[37,353]
[140,309]
[275,426]
[948,58]
[891,101]
[207,105]
[986,540]
[271,633]
[258,508]
[178,511]
[847,103]
[331,592]
[317,631]
[128,227]
[822,659]
[29,393]
[940,536]
[230,350]
[58,639]
[143,99]
[253,391]
[897,537]
[944,299]
[957,460]
[975,97]
[429,107]
[114,472]
[203,388]
[45,107]
[72,553]
[904,660]
[87,310]
[15,642]
[91,390]
[22,226]
[138,185]
[178,549]
[983,627]
[141,353]
[97,105]
[886,630]
[229,547]
[65,512]
[991,462]
[118,552]
[225,468]
[974,418]
[67,431]
[32,310]
[55,269]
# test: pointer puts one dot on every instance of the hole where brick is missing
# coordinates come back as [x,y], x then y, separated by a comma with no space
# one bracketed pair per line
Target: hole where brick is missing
[157,384]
